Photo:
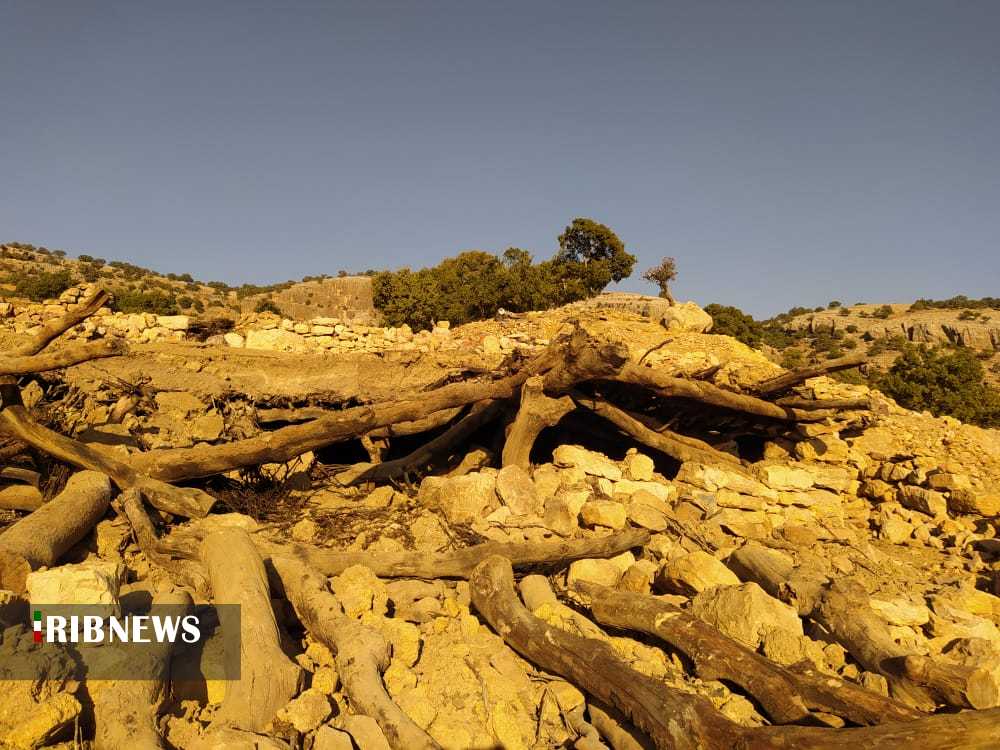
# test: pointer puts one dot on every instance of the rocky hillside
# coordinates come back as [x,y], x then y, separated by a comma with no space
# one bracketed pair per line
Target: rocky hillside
[612,529]
[28,273]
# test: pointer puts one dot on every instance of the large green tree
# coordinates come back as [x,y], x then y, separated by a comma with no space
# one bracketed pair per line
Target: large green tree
[592,255]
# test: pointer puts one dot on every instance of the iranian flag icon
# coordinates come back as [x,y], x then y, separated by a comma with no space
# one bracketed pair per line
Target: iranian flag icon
[37,625]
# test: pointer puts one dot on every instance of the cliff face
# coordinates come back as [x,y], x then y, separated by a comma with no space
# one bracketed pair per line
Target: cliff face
[923,326]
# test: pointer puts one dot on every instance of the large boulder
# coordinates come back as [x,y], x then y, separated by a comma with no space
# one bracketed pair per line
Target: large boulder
[275,340]
[745,613]
[463,499]
[686,316]
[694,572]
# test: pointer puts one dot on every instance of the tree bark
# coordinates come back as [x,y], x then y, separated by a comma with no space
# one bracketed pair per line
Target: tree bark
[671,719]
[46,534]
[125,711]
[785,695]
[783,382]
[676,446]
[966,686]
[55,328]
[361,653]
[479,415]
[67,357]
[182,501]
[536,412]
[21,497]
[458,563]
[268,678]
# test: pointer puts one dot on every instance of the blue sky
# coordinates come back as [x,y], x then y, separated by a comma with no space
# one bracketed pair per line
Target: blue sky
[785,153]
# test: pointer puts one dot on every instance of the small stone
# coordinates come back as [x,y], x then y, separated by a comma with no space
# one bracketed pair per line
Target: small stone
[90,583]
[306,712]
[233,339]
[644,516]
[694,572]
[380,497]
[604,513]
[926,501]
[900,611]
[588,461]
[603,572]
[360,591]
[639,467]
[517,491]
[305,530]
[875,682]
[745,612]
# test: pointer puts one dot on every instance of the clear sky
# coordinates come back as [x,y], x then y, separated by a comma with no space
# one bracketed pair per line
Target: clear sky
[785,153]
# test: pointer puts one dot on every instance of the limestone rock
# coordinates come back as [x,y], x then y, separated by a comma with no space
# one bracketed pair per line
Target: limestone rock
[645,516]
[639,467]
[328,738]
[306,712]
[91,583]
[604,513]
[360,591]
[173,322]
[517,491]
[686,316]
[785,477]
[603,572]
[587,461]
[900,611]
[233,339]
[745,612]
[694,572]
[926,501]
[975,501]
[365,732]
[463,499]
[275,340]
[45,722]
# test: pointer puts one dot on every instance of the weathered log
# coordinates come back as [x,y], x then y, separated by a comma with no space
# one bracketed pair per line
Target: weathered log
[839,404]
[962,685]
[67,357]
[479,415]
[268,678]
[670,718]
[536,412]
[177,563]
[20,497]
[125,711]
[43,536]
[567,361]
[458,563]
[706,393]
[15,448]
[361,653]
[681,721]
[308,413]
[182,501]
[787,380]
[785,695]
[54,328]
[615,728]
[18,474]
[676,446]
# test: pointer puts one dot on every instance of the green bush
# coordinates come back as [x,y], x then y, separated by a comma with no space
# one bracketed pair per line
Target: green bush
[942,381]
[141,301]
[43,285]
[266,305]
[731,321]
[475,284]
[883,312]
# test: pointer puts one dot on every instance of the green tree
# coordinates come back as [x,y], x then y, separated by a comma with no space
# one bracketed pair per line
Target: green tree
[593,254]
[942,381]
[731,321]
[662,274]
[44,285]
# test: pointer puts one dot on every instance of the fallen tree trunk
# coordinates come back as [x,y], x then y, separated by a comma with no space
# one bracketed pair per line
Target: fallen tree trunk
[55,328]
[71,355]
[784,382]
[21,497]
[670,718]
[570,360]
[970,687]
[46,534]
[682,721]
[458,563]
[830,403]
[786,696]
[479,415]
[268,678]
[178,564]
[125,711]
[706,393]
[182,501]
[536,412]
[676,446]
[361,653]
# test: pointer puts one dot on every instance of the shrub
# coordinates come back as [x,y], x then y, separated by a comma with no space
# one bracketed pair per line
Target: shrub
[883,312]
[141,301]
[852,328]
[475,284]
[833,304]
[266,305]
[968,315]
[844,312]
[731,321]
[792,359]
[43,285]
[942,382]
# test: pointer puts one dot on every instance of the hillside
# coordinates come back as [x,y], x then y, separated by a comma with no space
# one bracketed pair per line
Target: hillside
[879,329]
[36,273]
